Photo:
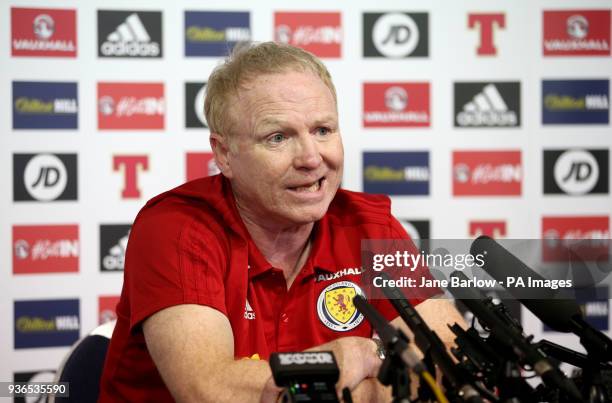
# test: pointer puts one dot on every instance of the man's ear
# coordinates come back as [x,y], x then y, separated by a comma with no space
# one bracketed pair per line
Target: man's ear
[220,147]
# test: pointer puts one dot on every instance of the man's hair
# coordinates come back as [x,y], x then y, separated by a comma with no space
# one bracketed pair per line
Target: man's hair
[246,62]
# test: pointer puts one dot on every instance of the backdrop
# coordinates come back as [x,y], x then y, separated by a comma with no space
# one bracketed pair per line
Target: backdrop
[475,117]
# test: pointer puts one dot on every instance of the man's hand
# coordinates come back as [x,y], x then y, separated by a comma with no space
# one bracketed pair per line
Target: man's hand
[356,357]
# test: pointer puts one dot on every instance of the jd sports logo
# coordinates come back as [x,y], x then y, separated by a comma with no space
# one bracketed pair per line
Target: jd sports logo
[129,34]
[44,177]
[194,105]
[576,172]
[495,104]
[113,244]
[395,35]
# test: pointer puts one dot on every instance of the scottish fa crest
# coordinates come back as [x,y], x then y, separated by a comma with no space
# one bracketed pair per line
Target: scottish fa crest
[335,306]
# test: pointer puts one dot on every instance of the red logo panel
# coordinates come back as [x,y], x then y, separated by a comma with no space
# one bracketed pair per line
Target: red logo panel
[562,235]
[318,33]
[131,106]
[43,32]
[107,308]
[45,249]
[487,173]
[486,24]
[396,105]
[200,165]
[576,33]
[493,229]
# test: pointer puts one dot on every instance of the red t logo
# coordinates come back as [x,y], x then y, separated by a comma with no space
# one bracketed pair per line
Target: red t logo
[130,164]
[486,23]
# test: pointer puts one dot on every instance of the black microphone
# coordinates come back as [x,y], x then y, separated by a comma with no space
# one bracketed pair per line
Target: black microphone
[512,339]
[307,376]
[391,337]
[428,340]
[562,315]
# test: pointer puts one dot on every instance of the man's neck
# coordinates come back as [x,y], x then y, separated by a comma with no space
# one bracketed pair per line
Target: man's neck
[285,248]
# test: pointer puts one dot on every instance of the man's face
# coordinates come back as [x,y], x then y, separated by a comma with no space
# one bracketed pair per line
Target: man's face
[285,154]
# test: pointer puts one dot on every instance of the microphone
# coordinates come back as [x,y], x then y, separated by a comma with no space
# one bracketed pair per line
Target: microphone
[307,376]
[428,341]
[393,338]
[562,315]
[513,340]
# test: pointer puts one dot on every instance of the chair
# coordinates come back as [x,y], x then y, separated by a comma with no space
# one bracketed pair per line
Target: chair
[83,365]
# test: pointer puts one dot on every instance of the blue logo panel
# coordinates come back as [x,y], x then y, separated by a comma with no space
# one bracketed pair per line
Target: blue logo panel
[45,105]
[575,102]
[396,173]
[214,33]
[50,323]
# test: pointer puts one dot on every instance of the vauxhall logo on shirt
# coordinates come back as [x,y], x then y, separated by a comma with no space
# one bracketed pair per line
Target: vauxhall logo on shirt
[215,33]
[576,172]
[487,104]
[576,33]
[130,34]
[575,101]
[45,105]
[43,32]
[44,177]
[395,35]
[396,173]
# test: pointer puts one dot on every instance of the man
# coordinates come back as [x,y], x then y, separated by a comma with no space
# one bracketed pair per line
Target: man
[223,271]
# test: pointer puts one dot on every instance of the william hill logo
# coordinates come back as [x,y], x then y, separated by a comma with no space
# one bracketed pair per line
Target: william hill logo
[396,173]
[50,323]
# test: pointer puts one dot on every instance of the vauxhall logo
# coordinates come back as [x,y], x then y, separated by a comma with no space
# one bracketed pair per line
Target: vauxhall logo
[576,172]
[44,177]
[129,34]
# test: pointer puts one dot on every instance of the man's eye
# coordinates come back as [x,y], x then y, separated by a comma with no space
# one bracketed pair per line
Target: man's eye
[323,131]
[277,138]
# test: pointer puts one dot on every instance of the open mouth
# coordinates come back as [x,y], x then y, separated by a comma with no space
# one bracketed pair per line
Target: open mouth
[309,188]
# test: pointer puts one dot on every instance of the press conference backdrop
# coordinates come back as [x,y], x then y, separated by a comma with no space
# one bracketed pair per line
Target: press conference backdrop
[475,117]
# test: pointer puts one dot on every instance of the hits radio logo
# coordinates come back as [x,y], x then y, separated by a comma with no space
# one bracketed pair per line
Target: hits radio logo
[318,33]
[569,238]
[131,106]
[44,177]
[487,173]
[395,35]
[45,249]
[43,32]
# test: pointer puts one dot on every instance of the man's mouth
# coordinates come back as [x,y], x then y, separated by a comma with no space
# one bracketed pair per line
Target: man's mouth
[310,188]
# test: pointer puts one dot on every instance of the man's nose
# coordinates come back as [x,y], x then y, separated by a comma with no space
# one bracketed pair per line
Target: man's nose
[307,153]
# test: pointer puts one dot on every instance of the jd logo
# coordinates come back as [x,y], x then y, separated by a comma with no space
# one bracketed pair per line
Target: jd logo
[395,35]
[45,177]
[576,172]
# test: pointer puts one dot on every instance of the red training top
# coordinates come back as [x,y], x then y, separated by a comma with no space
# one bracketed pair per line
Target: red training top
[190,246]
